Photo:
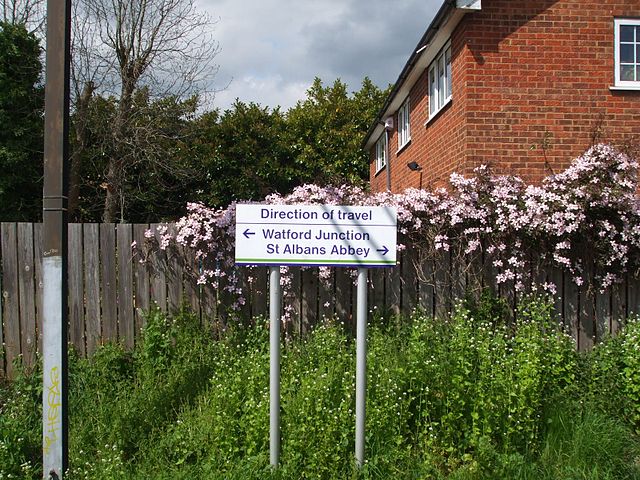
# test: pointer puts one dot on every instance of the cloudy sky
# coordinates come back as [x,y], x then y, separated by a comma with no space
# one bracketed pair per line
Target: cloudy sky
[271,50]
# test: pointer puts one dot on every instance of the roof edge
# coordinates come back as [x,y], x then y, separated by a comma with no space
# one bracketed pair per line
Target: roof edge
[445,9]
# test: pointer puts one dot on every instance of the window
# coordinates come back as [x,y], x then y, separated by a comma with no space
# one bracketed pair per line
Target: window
[404,128]
[381,152]
[440,81]
[627,52]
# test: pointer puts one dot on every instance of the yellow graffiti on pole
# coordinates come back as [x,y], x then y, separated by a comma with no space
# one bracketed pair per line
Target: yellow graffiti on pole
[52,426]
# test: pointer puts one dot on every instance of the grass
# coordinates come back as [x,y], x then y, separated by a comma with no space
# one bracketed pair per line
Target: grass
[470,398]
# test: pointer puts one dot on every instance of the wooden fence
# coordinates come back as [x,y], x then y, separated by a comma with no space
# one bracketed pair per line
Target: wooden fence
[109,290]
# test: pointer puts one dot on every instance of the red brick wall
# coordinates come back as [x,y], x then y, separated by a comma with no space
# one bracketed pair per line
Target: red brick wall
[442,138]
[530,89]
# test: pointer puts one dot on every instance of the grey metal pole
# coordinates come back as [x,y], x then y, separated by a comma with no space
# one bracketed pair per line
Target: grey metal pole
[54,261]
[361,363]
[275,304]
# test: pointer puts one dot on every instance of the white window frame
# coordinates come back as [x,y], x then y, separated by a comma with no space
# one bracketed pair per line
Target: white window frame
[618,23]
[381,152]
[439,81]
[404,125]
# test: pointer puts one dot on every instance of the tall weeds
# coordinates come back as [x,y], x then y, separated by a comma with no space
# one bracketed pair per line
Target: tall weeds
[473,397]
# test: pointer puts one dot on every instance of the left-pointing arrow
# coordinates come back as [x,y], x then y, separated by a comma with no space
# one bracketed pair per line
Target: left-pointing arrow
[248,233]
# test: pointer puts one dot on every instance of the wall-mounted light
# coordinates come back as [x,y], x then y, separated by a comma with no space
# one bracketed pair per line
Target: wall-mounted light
[414,167]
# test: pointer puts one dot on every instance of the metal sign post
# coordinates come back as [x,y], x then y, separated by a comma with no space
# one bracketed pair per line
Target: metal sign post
[320,235]
[275,304]
[54,216]
[361,363]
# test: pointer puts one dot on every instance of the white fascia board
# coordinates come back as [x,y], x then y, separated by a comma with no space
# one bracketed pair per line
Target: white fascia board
[469,4]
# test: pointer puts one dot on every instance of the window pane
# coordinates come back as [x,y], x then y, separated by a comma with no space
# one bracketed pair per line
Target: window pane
[381,153]
[441,82]
[626,33]
[448,72]
[627,73]
[638,73]
[432,90]
[403,125]
[626,53]
[407,129]
[638,53]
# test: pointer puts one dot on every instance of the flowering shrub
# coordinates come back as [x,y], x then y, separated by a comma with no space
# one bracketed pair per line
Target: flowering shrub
[587,216]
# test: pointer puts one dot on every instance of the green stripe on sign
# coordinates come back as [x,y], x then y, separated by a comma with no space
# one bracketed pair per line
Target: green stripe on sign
[326,262]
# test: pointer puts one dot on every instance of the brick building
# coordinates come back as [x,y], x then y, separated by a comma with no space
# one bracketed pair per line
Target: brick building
[522,85]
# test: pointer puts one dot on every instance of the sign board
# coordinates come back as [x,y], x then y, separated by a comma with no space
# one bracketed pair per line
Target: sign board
[315,235]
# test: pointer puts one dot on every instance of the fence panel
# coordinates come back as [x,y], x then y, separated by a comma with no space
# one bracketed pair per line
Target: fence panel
[10,295]
[394,290]
[108,279]
[109,289]
[571,305]
[633,295]
[259,288]
[555,276]
[2,350]
[126,325]
[309,306]
[158,274]
[342,298]
[293,304]
[378,300]
[26,270]
[243,280]
[442,285]
[37,255]
[426,287]
[587,312]
[141,277]
[326,303]
[618,306]
[409,279]
[174,277]
[91,253]
[191,287]
[75,272]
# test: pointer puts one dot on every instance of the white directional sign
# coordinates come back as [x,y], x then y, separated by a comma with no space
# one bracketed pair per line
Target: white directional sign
[315,235]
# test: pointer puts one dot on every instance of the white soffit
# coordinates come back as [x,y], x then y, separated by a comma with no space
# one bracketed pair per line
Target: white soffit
[469,4]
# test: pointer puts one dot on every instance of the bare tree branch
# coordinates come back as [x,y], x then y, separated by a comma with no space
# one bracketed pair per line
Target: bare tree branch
[31,13]
[119,47]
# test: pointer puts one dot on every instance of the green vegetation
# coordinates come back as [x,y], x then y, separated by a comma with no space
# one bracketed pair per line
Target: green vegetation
[21,136]
[171,153]
[475,397]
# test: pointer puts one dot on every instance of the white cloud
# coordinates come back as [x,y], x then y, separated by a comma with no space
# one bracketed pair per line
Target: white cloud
[270,91]
[273,49]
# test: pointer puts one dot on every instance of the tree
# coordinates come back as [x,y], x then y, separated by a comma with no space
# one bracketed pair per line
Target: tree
[29,13]
[251,151]
[122,47]
[167,174]
[21,136]
[326,129]
[245,154]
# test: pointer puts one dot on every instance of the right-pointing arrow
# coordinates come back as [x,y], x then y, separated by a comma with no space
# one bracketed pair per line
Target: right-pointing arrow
[384,250]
